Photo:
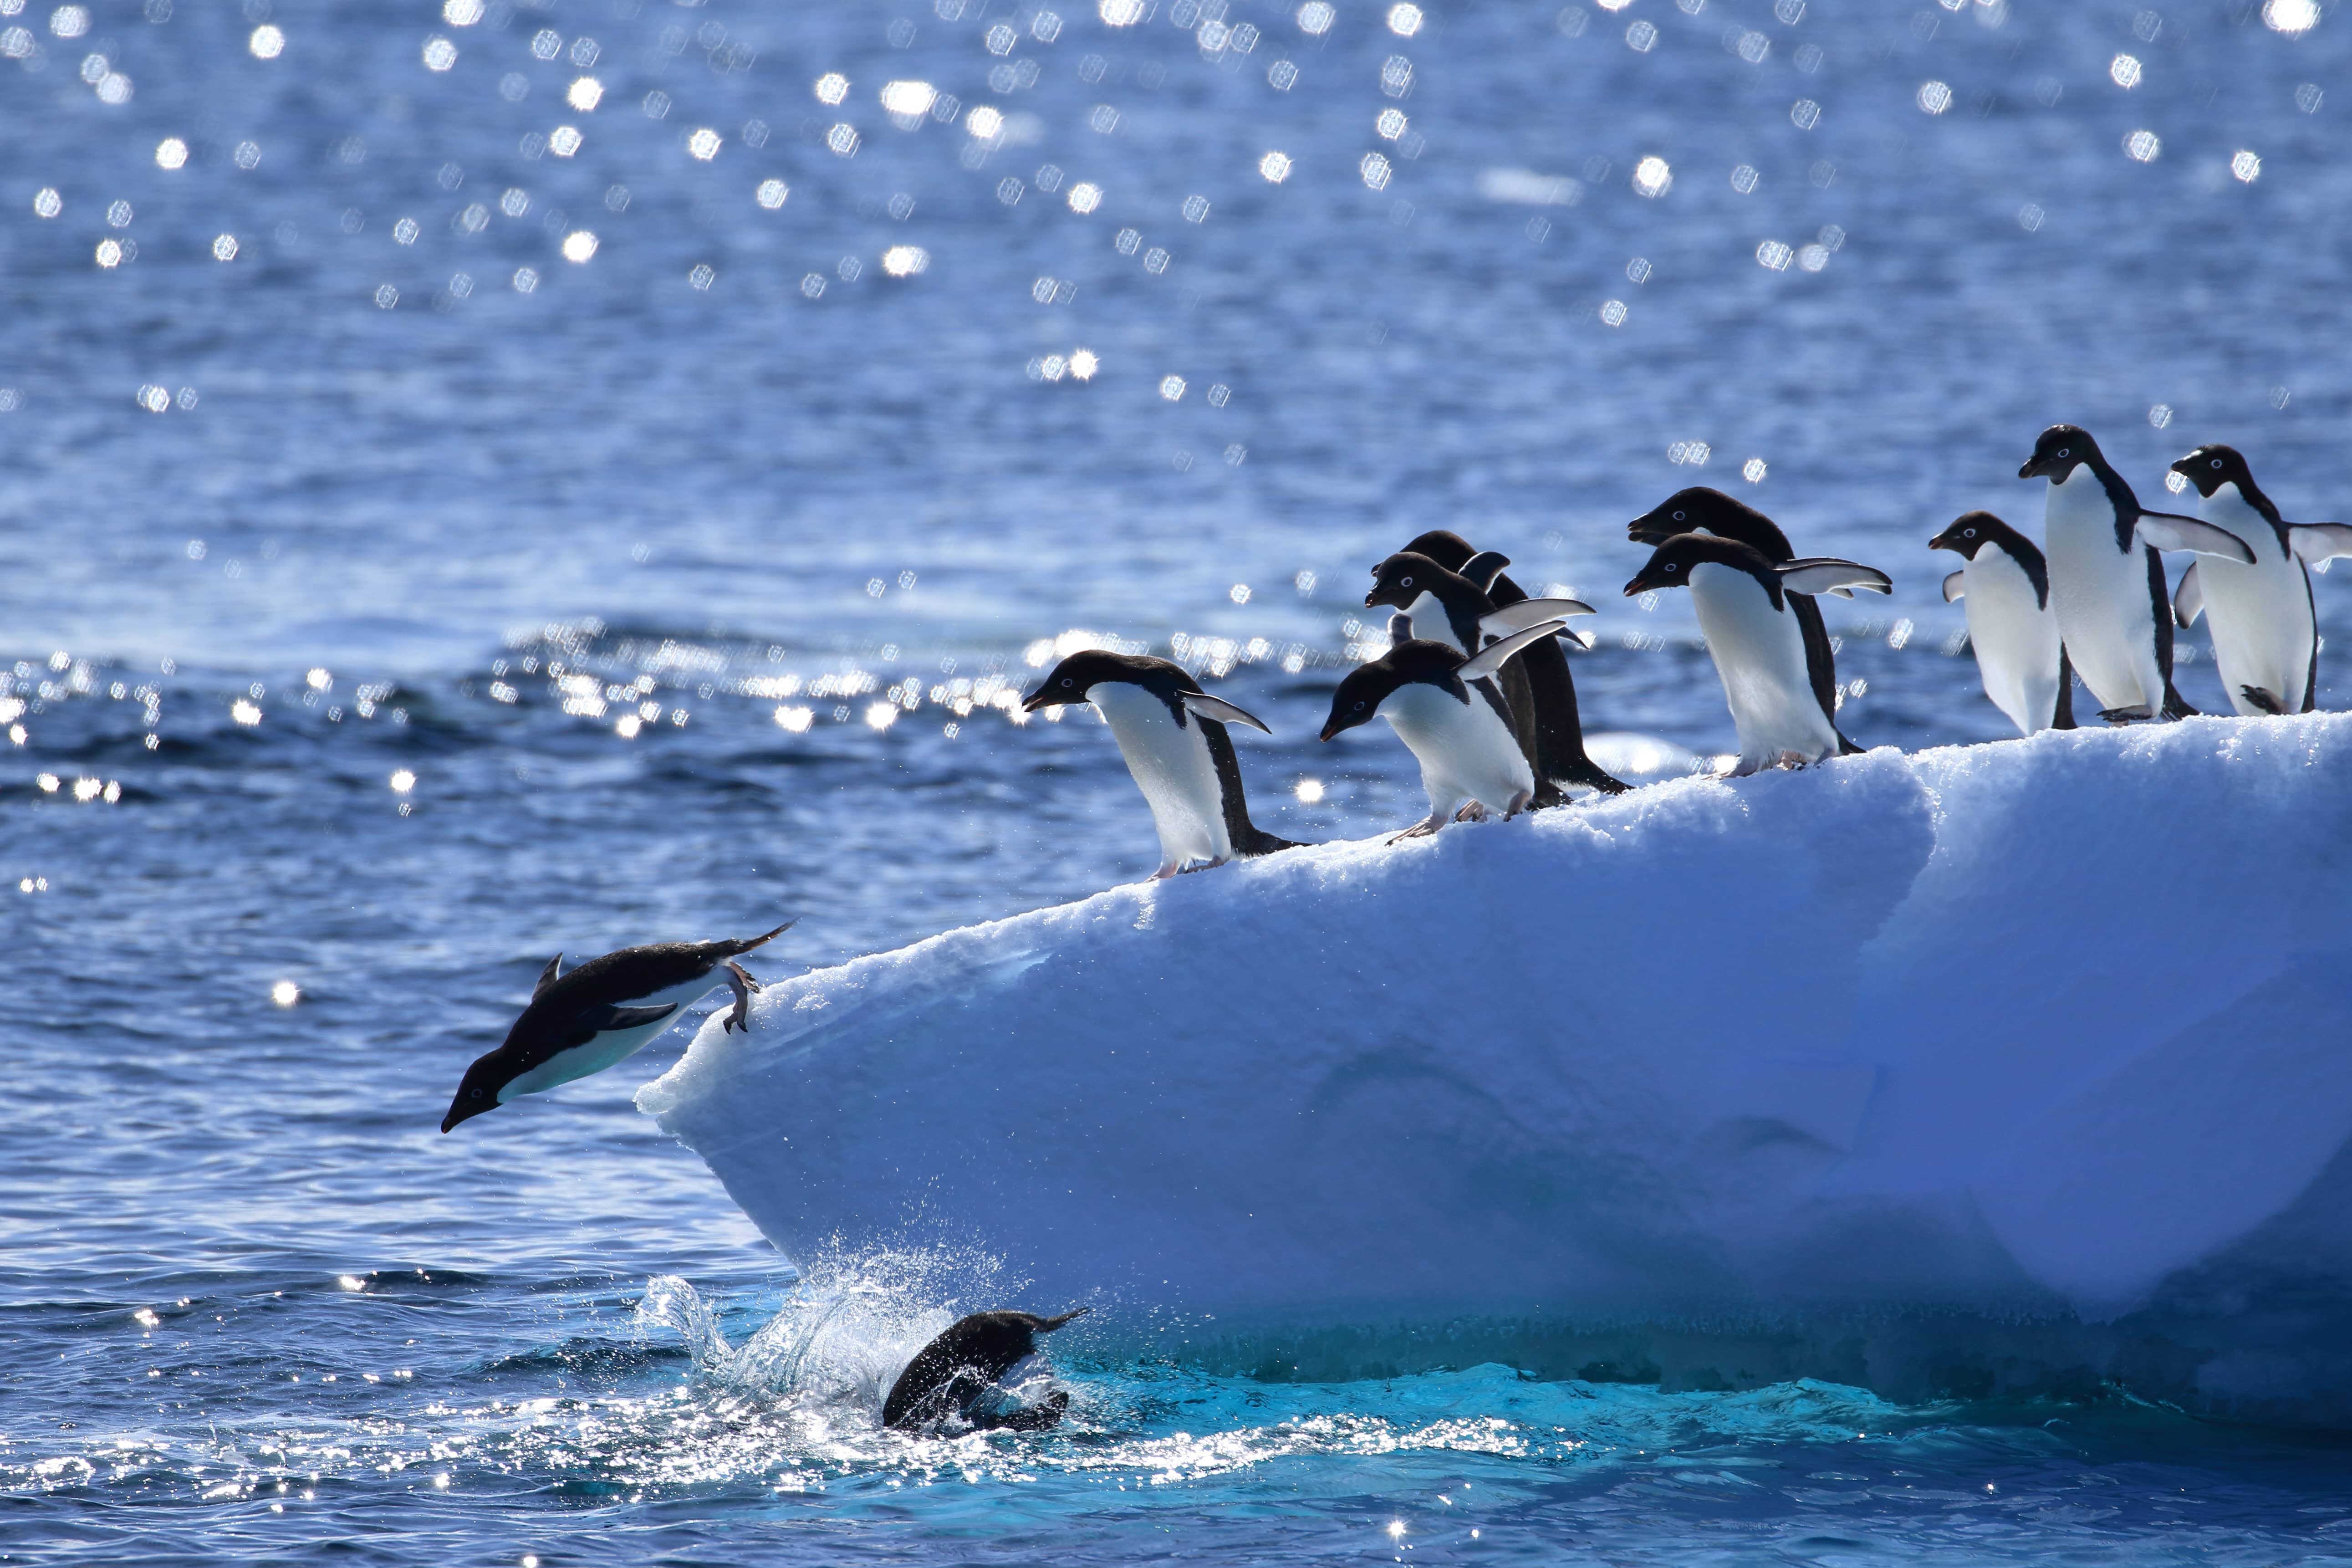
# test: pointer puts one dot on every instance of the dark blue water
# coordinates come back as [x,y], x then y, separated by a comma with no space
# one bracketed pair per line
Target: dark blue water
[435,625]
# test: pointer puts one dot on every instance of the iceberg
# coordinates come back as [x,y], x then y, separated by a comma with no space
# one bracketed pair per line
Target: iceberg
[2007,1066]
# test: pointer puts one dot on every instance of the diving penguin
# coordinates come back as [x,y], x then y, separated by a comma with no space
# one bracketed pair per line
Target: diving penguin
[960,1376]
[1559,755]
[1746,607]
[2007,587]
[603,1013]
[2266,637]
[2106,581]
[1727,517]
[1174,737]
[1447,710]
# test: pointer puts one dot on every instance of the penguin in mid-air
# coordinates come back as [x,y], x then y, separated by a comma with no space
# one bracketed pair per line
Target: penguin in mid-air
[2266,633]
[603,1013]
[1445,606]
[959,1377]
[1447,710]
[1560,760]
[2007,587]
[1699,509]
[1174,737]
[1746,607]
[2106,581]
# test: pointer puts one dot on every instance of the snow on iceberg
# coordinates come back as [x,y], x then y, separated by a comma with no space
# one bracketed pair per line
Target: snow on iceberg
[2053,1034]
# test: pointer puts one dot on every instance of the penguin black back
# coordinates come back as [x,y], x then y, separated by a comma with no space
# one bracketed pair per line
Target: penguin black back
[949,1377]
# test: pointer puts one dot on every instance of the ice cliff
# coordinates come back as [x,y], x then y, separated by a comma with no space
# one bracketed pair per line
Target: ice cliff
[1997,1066]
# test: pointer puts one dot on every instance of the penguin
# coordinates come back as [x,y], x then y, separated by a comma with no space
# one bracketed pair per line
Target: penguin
[2007,587]
[1561,758]
[1727,517]
[1174,737]
[960,1376]
[2107,580]
[1447,710]
[1746,608]
[2265,632]
[602,1013]
[1444,607]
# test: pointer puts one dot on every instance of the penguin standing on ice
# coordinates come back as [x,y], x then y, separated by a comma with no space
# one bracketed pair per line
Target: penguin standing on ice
[1446,607]
[2007,587]
[1559,755]
[1447,710]
[603,1013]
[2106,581]
[1174,737]
[962,1376]
[1727,517]
[1746,607]
[2266,633]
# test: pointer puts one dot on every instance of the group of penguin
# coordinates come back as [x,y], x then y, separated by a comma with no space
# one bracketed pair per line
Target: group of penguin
[1476,685]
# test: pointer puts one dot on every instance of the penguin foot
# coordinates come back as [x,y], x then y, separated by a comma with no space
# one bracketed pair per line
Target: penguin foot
[1192,866]
[740,981]
[1167,869]
[1474,812]
[2263,700]
[1421,829]
[2126,715]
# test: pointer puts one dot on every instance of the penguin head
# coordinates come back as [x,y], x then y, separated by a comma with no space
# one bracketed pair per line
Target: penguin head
[1070,680]
[1970,533]
[1362,693]
[1449,550]
[1671,564]
[1684,511]
[479,1090]
[2212,466]
[2056,456]
[1404,577]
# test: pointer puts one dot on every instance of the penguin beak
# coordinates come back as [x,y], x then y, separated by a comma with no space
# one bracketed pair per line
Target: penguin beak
[470,1103]
[2182,466]
[1371,598]
[1040,697]
[1941,542]
[2030,468]
[1640,584]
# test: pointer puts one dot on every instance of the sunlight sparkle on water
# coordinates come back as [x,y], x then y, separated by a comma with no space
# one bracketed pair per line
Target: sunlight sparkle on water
[285,993]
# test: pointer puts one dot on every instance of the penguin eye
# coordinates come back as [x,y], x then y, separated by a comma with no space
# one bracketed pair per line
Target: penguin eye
[1404,582]
[1678,517]
[1065,680]
[2217,462]
[477,1094]
[1359,707]
[2065,451]
[1967,534]
[1672,567]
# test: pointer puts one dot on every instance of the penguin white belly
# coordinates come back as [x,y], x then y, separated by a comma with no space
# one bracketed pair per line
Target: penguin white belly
[1465,750]
[2100,596]
[2259,615]
[1431,623]
[607,1050]
[2016,640]
[1759,655]
[1172,768]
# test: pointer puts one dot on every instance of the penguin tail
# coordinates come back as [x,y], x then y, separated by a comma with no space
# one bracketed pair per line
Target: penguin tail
[2176,705]
[745,944]
[1586,772]
[2062,716]
[1257,841]
[1047,1325]
[1846,748]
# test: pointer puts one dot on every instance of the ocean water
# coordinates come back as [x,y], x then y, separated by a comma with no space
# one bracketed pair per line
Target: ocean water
[445,523]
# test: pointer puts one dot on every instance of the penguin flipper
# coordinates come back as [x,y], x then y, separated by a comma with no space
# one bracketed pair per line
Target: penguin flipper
[2188,599]
[1485,567]
[1207,707]
[1519,617]
[2320,543]
[1827,574]
[2170,531]
[603,1020]
[1956,587]
[1494,656]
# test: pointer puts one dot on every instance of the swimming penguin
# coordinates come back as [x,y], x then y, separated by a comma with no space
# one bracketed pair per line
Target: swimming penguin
[2264,636]
[1746,607]
[1447,607]
[1559,755]
[2007,587]
[1174,737]
[2106,581]
[960,1376]
[602,1013]
[1727,517]
[1445,709]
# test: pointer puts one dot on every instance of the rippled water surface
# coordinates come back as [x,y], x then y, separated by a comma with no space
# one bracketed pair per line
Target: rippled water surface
[512,480]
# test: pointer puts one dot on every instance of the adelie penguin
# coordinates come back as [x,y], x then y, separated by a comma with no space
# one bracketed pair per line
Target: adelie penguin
[2106,581]
[961,1377]
[1445,708]
[1745,609]
[1700,508]
[1559,757]
[1174,737]
[1443,607]
[602,1013]
[2265,638]
[2006,586]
